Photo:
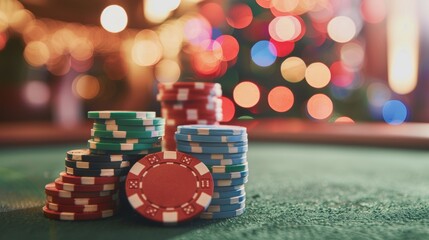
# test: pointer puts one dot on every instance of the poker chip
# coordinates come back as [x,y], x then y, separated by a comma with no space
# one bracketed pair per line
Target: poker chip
[216,105]
[231,200]
[132,122]
[219,156]
[225,207]
[122,146]
[81,201]
[80,208]
[112,127]
[175,122]
[96,165]
[120,115]
[84,188]
[140,153]
[189,85]
[215,139]
[169,187]
[230,175]
[228,194]
[224,162]
[227,214]
[108,172]
[228,188]
[212,144]
[192,149]
[210,130]
[86,155]
[127,140]
[230,182]
[51,190]
[228,168]
[87,180]
[126,134]
[72,216]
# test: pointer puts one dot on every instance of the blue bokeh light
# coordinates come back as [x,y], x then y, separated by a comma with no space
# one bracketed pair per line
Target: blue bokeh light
[263,53]
[394,112]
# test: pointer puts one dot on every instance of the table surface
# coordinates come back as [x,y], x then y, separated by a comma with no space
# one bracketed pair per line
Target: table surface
[295,191]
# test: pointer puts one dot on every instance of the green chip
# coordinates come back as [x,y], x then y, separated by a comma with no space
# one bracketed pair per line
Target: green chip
[121,115]
[126,134]
[127,140]
[132,122]
[122,146]
[111,127]
[228,168]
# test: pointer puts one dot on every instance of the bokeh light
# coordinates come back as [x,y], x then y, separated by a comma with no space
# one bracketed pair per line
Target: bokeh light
[167,71]
[280,99]
[36,53]
[317,75]
[340,76]
[157,11]
[263,53]
[229,46]
[284,6]
[197,30]
[228,109]
[283,48]
[239,16]
[377,94]
[146,52]
[341,29]
[320,106]
[114,19]
[264,3]
[285,28]
[36,93]
[394,112]
[86,86]
[344,119]
[246,94]
[373,11]
[214,13]
[352,55]
[293,69]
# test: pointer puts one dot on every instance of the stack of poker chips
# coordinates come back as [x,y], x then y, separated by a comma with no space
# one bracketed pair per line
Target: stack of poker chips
[189,103]
[93,178]
[224,150]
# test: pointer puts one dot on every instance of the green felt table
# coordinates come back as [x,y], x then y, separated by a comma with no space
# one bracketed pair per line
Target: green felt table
[296,191]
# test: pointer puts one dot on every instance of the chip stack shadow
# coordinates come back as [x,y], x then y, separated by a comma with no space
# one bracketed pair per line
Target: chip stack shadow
[223,149]
[188,103]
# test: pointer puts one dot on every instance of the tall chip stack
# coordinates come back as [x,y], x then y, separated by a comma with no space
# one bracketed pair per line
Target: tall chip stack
[188,103]
[94,177]
[223,149]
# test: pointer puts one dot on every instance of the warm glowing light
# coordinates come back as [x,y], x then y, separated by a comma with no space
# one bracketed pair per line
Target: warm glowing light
[36,93]
[340,76]
[158,11]
[36,53]
[4,22]
[373,11]
[171,45]
[20,19]
[229,46]
[285,28]
[394,112]
[246,94]
[352,55]
[146,52]
[264,3]
[196,30]
[228,109]
[378,94]
[320,106]
[344,119]
[214,13]
[293,69]
[82,49]
[206,63]
[285,6]
[3,40]
[280,99]
[86,86]
[263,53]
[317,75]
[283,48]
[240,16]
[403,46]
[114,19]
[167,71]
[341,29]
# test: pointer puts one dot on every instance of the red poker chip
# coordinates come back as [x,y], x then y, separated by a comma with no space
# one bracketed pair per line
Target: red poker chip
[184,97]
[81,208]
[52,190]
[66,178]
[73,216]
[81,201]
[190,85]
[84,188]
[169,187]
[177,122]
[191,117]
[192,105]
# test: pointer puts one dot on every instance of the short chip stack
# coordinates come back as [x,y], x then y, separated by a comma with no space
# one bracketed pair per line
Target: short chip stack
[189,103]
[89,187]
[224,150]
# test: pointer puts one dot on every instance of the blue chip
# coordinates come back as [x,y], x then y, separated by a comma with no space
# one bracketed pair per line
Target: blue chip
[190,149]
[214,139]
[223,162]
[227,214]
[212,144]
[228,194]
[228,188]
[225,207]
[230,175]
[230,182]
[218,156]
[209,130]
[231,200]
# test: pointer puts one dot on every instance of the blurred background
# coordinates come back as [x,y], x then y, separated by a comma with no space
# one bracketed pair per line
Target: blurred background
[317,60]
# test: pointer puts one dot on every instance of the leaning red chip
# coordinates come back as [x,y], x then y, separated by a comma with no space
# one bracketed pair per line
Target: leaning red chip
[85,188]
[81,208]
[51,190]
[66,178]
[169,187]
[71,216]
[81,201]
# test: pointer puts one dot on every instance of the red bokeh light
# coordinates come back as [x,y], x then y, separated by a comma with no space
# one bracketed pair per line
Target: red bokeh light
[340,76]
[229,47]
[283,48]
[240,16]
[214,13]
[280,99]
[228,109]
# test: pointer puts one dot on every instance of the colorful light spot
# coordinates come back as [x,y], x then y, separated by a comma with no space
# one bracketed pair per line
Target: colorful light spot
[317,75]
[246,94]
[240,16]
[114,19]
[283,48]
[394,112]
[352,55]
[36,93]
[344,119]
[280,99]
[341,29]
[229,46]
[86,86]
[293,69]
[263,53]
[167,71]
[373,11]
[36,53]
[285,28]
[214,13]
[228,109]
[341,77]
[320,106]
